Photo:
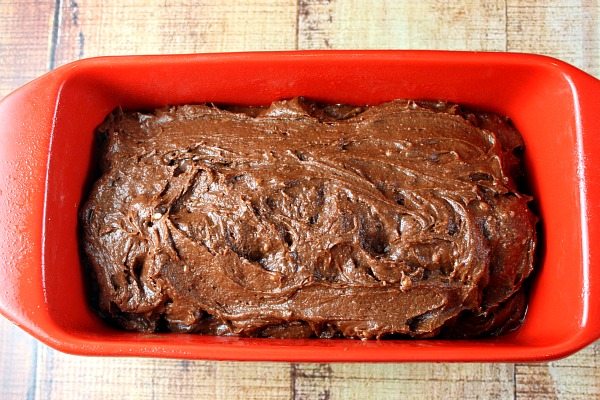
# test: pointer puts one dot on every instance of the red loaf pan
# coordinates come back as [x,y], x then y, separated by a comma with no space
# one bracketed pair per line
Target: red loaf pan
[46,131]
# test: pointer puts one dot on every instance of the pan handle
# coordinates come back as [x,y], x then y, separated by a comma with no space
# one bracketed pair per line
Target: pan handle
[26,126]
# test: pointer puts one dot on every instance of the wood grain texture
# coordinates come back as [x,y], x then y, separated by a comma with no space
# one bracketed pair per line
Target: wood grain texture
[576,377]
[88,28]
[18,359]
[425,24]
[25,41]
[63,376]
[35,36]
[404,381]
[568,30]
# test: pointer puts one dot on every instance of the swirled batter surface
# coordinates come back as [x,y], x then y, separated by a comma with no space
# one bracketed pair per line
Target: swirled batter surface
[308,220]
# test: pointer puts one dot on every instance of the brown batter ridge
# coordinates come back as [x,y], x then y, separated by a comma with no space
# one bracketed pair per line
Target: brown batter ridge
[309,220]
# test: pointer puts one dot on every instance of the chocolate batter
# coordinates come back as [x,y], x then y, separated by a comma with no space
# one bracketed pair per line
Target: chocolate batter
[308,220]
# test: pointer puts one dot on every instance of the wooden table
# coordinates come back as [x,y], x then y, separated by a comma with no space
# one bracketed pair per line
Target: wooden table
[36,36]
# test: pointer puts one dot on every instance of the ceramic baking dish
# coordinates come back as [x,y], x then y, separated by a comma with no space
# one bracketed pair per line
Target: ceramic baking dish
[46,131]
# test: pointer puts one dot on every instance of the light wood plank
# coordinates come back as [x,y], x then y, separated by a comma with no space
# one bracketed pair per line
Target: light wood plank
[423,381]
[568,30]
[403,381]
[255,381]
[426,24]
[25,41]
[576,377]
[312,381]
[18,353]
[94,27]
[64,376]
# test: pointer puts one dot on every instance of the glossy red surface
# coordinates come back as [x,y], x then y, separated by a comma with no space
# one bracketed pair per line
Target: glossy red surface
[46,131]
